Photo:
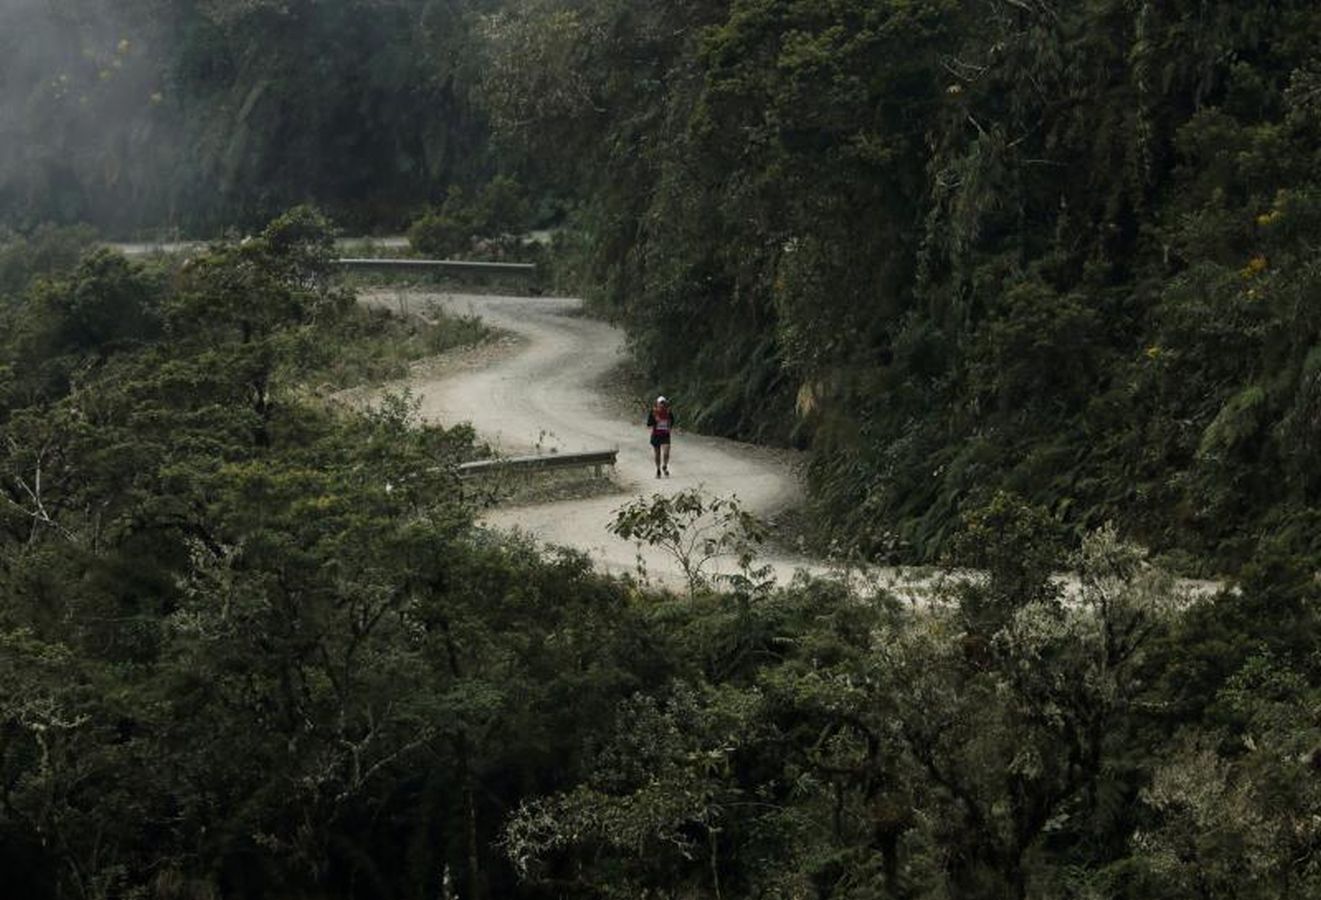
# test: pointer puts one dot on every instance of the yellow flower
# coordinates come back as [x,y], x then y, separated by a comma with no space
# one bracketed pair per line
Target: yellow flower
[1255,267]
[1267,218]
[1153,352]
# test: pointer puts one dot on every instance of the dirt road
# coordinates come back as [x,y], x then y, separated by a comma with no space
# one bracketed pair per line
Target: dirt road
[546,394]
[147,248]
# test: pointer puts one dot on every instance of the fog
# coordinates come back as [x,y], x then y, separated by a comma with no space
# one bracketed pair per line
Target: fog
[147,117]
[85,122]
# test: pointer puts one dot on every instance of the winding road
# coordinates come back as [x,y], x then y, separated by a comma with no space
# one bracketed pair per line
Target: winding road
[546,393]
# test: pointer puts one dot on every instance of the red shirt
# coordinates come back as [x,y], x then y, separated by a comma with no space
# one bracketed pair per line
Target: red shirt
[661,421]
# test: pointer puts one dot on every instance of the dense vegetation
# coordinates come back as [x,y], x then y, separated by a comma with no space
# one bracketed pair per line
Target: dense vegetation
[953,247]
[1013,270]
[252,646]
[1066,250]
[198,116]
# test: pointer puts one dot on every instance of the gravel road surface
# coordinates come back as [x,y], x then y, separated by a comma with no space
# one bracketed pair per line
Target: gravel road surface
[546,393]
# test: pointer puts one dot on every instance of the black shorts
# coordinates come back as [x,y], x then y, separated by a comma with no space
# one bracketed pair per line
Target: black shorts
[658,439]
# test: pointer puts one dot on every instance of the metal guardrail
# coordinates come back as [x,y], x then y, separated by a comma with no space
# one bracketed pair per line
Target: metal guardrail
[594,458]
[469,267]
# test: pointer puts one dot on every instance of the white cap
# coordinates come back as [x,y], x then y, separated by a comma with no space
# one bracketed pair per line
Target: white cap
[661,399]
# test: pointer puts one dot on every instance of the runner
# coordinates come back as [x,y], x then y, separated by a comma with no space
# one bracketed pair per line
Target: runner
[661,420]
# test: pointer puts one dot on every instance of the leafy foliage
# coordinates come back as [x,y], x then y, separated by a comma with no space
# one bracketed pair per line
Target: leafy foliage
[696,530]
[957,248]
[1013,270]
[495,215]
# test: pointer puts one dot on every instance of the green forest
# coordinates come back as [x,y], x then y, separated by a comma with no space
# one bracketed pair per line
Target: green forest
[1035,286]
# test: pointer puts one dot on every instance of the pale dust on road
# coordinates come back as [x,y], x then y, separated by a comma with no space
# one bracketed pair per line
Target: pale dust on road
[541,392]
[543,395]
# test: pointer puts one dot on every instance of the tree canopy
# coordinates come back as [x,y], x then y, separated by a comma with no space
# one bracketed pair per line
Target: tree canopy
[958,247]
[1035,283]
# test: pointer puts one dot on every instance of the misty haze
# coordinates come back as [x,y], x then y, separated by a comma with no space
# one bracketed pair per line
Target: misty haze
[705,450]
